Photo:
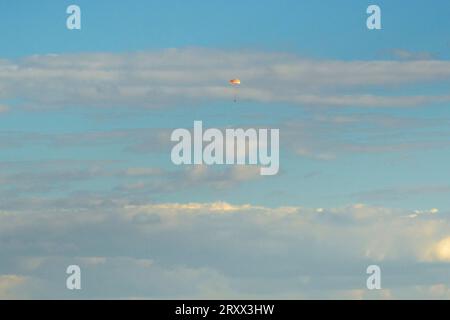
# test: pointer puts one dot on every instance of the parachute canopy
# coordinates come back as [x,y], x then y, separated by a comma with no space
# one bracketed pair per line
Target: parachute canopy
[235,81]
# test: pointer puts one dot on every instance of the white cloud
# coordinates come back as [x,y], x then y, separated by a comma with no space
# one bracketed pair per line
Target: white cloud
[239,250]
[440,251]
[182,75]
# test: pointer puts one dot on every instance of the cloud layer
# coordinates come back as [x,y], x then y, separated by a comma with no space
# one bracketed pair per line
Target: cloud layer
[222,250]
[120,210]
[179,76]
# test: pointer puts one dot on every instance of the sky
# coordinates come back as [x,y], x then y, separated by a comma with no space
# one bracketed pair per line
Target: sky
[86,176]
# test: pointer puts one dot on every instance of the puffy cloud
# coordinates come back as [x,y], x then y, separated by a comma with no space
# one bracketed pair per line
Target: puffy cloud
[223,250]
[440,251]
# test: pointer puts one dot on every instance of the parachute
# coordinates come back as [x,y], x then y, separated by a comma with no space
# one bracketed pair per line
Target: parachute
[235,83]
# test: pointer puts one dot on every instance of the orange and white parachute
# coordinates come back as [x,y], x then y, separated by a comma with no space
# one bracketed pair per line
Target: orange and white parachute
[235,83]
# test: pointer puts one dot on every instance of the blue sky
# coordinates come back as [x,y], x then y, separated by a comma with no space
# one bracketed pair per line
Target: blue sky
[310,28]
[85,118]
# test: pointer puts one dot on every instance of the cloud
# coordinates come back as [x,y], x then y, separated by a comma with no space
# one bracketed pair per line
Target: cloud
[182,76]
[402,193]
[30,181]
[326,136]
[142,171]
[10,285]
[440,251]
[221,249]
[411,55]
[42,180]
[3,108]
[157,181]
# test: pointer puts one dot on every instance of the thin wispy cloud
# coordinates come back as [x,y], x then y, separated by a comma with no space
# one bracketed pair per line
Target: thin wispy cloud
[177,76]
